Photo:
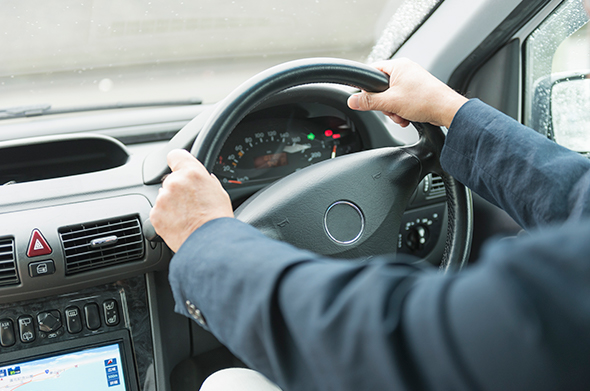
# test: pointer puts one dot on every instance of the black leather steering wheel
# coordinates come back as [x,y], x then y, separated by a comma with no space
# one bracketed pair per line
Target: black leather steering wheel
[350,206]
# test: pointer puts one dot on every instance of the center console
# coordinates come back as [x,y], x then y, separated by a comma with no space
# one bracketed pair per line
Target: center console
[94,339]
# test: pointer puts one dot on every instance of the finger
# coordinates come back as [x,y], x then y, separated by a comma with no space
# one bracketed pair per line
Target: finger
[362,101]
[180,158]
[389,66]
[383,66]
[366,101]
[353,102]
[399,120]
[216,180]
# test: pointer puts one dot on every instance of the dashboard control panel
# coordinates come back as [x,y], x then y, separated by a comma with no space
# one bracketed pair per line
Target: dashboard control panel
[66,319]
[111,318]
[420,230]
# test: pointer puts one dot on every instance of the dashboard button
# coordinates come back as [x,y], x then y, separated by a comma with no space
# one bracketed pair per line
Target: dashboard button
[49,321]
[92,316]
[41,268]
[26,329]
[7,337]
[38,245]
[73,320]
[111,312]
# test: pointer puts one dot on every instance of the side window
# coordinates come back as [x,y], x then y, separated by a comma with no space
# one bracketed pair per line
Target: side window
[557,77]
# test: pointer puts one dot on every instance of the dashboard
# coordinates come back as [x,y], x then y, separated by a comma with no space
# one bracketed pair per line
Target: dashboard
[271,145]
[80,270]
[276,141]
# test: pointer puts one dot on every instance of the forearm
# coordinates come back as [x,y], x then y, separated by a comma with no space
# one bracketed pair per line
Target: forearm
[310,323]
[299,319]
[225,271]
[532,178]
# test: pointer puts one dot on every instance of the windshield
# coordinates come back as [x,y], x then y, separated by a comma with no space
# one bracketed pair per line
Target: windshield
[83,52]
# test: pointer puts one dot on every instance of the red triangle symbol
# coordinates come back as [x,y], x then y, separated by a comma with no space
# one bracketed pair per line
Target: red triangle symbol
[38,245]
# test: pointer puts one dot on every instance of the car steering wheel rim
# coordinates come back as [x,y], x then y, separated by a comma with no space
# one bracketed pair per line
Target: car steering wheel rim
[272,217]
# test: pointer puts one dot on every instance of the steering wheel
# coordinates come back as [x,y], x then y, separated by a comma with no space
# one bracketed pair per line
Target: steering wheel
[350,206]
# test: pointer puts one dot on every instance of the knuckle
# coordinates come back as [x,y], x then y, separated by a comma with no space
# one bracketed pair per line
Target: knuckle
[193,174]
[155,217]
[180,179]
[159,205]
[366,101]
[173,183]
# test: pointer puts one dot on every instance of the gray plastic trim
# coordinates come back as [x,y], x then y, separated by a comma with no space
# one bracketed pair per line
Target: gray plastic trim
[20,225]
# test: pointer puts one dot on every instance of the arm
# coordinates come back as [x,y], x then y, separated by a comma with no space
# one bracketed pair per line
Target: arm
[516,321]
[533,179]
[312,323]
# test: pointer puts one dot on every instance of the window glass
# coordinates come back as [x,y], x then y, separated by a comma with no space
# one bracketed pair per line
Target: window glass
[557,87]
[82,52]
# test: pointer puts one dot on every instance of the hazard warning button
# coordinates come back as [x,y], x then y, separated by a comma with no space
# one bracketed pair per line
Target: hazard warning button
[38,245]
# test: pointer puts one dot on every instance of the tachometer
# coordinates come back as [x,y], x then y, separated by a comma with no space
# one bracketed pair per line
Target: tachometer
[267,149]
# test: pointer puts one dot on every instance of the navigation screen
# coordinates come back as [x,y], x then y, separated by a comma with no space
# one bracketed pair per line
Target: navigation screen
[95,369]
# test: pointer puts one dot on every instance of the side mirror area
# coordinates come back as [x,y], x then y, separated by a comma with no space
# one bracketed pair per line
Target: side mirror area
[561,109]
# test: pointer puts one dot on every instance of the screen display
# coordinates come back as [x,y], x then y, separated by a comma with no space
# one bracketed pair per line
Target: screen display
[94,369]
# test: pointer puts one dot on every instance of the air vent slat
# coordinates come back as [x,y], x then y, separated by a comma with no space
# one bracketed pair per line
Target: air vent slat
[8,273]
[99,263]
[82,257]
[437,187]
[92,255]
[84,235]
[74,248]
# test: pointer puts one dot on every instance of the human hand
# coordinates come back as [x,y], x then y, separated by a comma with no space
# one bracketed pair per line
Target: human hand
[413,95]
[189,198]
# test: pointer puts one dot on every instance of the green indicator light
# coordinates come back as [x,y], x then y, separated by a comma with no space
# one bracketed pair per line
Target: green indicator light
[311,136]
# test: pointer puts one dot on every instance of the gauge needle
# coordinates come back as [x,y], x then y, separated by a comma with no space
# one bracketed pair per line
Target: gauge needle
[333,152]
[234,182]
[296,148]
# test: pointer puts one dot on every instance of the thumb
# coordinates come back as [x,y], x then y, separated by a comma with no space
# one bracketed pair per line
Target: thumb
[366,101]
[181,158]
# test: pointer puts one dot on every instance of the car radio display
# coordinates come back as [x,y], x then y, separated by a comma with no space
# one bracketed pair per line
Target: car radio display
[93,369]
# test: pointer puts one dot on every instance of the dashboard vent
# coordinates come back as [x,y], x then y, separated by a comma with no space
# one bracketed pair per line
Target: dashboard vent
[437,187]
[8,274]
[92,246]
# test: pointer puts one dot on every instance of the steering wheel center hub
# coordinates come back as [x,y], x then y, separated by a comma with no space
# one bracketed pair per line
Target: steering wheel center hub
[344,222]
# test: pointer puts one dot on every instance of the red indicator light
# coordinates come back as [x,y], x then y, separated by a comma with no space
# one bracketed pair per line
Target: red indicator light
[336,136]
[328,133]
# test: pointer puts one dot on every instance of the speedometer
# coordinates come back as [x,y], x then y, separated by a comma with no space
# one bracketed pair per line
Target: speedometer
[262,150]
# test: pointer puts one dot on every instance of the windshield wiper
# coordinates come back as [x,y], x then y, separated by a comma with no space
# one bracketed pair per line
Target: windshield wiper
[45,109]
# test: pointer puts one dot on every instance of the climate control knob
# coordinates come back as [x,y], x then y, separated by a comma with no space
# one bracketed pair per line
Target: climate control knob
[417,237]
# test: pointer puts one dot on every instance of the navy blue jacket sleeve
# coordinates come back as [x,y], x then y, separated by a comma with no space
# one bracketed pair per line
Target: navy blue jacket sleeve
[515,321]
[533,179]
